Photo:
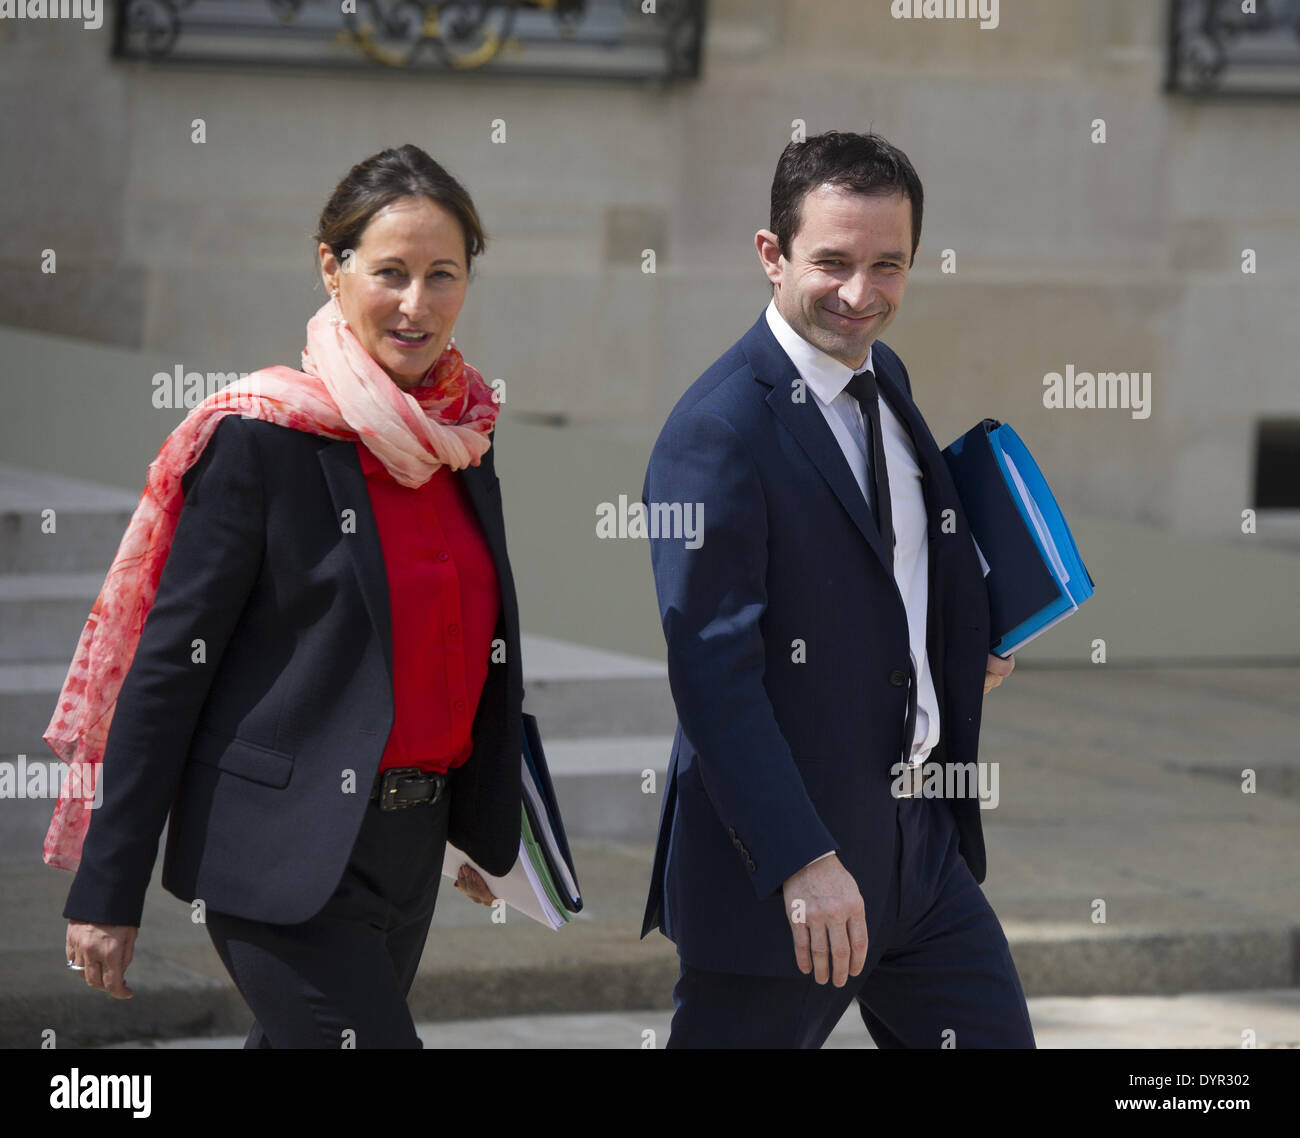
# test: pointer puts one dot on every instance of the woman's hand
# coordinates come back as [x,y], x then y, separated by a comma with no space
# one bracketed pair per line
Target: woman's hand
[105,951]
[473,886]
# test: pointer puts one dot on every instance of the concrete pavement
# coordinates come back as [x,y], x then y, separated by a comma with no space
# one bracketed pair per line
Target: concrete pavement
[1215,1020]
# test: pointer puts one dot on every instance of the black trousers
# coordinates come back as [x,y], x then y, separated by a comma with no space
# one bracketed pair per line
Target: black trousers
[341,978]
[938,971]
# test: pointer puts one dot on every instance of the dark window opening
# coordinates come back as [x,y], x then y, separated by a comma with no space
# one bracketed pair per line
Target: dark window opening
[1277,465]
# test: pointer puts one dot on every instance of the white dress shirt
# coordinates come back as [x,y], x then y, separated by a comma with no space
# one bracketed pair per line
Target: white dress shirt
[826,377]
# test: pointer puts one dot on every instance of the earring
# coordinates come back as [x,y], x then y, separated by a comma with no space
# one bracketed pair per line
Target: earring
[339,320]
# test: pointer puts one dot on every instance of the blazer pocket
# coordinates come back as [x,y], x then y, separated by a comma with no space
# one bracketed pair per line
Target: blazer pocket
[239,757]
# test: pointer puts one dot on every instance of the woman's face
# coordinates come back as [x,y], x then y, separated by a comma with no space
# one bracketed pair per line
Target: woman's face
[408,274]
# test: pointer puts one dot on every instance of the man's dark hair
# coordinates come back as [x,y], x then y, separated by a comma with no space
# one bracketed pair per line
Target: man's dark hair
[860,163]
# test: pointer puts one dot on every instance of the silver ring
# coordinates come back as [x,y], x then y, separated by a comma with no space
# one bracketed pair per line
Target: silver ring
[75,967]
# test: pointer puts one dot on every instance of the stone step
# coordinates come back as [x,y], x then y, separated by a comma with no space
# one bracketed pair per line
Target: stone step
[610,787]
[42,614]
[579,692]
[88,522]
[28,693]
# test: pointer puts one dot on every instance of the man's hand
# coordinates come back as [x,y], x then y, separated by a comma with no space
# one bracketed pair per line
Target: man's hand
[828,919]
[473,886]
[996,670]
[105,951]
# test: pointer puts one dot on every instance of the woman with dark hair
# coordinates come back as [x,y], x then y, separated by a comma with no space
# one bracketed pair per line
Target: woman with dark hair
[307,647]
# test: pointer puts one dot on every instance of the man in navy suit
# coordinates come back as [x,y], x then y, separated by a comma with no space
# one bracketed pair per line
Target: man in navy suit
[827,645]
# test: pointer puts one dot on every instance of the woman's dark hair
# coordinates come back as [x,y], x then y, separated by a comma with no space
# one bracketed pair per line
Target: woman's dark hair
[860,163]
[382,179]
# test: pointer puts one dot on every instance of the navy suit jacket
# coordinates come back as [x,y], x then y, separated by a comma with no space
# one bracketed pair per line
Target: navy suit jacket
[264,747]
[788,657]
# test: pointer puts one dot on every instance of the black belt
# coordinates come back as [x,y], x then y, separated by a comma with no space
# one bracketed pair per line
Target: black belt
[400,787]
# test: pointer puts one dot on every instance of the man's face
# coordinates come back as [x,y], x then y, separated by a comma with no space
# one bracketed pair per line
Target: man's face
[847,270]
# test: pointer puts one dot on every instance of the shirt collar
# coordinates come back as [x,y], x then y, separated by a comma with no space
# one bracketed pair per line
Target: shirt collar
[824,374]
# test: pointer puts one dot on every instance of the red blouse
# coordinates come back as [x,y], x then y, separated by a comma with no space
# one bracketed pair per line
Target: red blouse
[444,598]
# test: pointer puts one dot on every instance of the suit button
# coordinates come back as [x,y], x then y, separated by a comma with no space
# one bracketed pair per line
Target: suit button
[897,678]
[443,555]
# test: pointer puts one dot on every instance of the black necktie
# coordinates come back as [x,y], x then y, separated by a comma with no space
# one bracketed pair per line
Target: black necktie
[863,388]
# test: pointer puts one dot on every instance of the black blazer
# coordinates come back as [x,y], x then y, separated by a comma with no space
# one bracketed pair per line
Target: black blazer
[260,697]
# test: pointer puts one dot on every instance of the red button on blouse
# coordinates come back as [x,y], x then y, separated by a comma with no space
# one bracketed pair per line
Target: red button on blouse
[445,599]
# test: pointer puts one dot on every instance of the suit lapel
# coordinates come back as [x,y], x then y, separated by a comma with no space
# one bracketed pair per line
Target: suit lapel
[940,495]
[804,421]
[347,486]
[487,508]
[936,479]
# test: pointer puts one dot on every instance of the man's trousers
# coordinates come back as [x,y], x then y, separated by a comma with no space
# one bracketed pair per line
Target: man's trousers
[938,972]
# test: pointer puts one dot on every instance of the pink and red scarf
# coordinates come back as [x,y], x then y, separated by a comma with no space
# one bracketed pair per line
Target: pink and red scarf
[341,393]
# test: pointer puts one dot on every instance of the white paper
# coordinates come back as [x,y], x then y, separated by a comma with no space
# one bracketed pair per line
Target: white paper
[552,918]
[519,888]
[547,838]
[1040,525]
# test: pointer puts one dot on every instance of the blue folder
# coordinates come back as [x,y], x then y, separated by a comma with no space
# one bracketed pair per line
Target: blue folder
[1036,577]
